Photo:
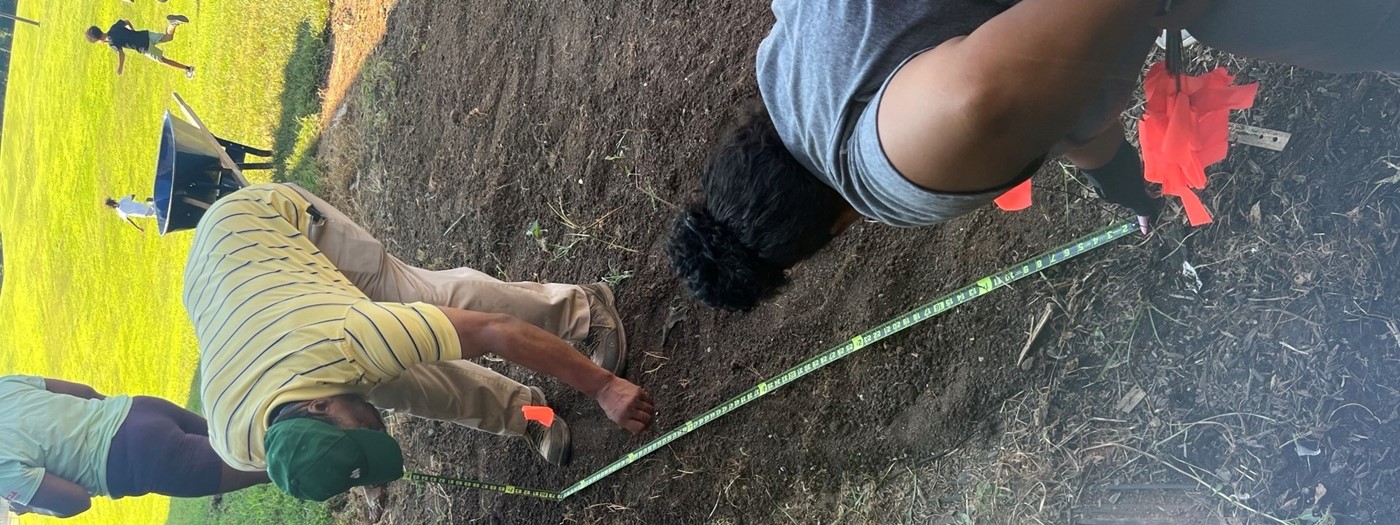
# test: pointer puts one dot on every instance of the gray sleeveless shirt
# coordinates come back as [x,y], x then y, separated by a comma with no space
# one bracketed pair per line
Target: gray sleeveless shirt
[820,69]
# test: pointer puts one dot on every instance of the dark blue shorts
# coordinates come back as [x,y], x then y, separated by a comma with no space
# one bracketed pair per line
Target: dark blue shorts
[164,449]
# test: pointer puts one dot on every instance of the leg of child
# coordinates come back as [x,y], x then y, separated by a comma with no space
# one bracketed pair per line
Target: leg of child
[173,21]
[173,63]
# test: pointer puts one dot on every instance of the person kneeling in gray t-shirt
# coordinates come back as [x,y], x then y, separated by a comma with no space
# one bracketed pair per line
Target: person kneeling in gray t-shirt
[914,113]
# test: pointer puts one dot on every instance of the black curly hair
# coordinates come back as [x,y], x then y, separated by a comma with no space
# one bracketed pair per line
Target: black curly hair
[762,212]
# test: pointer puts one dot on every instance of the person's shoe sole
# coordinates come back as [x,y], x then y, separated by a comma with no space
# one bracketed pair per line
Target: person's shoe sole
[614,362]
[564,450]
[557,434]
[177,19]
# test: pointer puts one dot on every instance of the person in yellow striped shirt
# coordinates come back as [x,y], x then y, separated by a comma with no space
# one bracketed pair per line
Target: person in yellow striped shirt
[306,325]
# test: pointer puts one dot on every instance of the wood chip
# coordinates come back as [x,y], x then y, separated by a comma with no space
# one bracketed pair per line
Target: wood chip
[1039,325]
[674,316]
[1131,400]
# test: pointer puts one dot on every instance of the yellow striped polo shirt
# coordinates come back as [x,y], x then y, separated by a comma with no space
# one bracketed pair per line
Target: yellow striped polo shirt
[276,322]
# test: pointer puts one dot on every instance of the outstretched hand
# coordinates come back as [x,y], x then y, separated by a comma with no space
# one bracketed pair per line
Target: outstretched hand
[626,404]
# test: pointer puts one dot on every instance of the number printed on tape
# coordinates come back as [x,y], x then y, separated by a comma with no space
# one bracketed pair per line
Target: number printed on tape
[925,311]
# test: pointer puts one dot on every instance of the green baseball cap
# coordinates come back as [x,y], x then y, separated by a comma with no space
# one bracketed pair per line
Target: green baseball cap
[311,459]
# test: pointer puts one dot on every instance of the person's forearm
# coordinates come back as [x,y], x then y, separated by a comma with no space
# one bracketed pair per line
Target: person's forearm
[531,347]
[527,345]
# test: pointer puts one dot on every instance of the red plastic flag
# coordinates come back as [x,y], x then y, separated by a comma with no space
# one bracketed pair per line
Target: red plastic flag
[1019,198]
[1186,128]
[540,414]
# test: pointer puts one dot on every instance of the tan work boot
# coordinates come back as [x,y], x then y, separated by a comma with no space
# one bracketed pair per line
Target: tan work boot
[606,343]
[552,442]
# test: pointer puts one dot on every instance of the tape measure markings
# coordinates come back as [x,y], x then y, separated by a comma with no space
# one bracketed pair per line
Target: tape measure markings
[962,295]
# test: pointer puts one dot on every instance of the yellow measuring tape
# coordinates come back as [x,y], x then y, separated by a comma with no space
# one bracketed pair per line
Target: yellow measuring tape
[962,295]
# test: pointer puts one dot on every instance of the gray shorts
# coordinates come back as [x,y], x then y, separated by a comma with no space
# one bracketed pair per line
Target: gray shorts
[153,50]
[1335,36]
[879,191]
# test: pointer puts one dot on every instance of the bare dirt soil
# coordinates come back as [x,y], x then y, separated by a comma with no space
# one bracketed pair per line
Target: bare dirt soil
[1268,391]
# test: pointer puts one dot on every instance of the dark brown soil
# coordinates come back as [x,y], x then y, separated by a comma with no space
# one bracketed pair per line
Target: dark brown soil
[473,120]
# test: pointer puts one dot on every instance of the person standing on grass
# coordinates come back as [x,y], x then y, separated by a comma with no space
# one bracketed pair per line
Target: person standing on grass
[307,326]
[914,113]
[129,208]
[62,443]
[121,36]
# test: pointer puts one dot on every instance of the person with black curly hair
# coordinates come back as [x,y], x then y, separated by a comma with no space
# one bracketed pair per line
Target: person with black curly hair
[122,36]
[914,113]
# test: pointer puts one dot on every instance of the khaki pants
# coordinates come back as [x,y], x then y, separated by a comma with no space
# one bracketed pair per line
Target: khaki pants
[461,392]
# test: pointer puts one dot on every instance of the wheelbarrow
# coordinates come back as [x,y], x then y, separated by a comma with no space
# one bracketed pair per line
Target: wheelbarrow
[195,168]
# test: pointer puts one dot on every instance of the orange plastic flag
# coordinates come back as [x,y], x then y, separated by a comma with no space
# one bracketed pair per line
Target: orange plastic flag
[1185,129]
[1019,198]
[540,414]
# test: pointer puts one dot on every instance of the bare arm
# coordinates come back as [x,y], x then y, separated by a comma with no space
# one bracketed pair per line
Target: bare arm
[59,386]
[527,345]
[63,498]
[974,112]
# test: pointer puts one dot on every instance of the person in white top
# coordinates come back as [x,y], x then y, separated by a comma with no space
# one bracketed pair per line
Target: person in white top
[129,208]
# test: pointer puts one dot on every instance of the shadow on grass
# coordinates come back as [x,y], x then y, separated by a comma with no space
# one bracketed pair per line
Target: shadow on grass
[298,128]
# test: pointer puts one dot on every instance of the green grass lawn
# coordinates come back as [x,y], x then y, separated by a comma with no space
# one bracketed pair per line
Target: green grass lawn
[87,297]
